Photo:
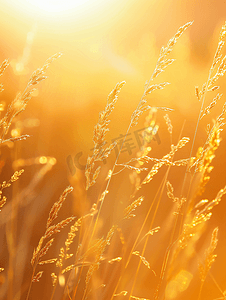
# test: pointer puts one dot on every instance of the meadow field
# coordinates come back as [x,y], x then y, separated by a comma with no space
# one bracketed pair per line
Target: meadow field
[113,150]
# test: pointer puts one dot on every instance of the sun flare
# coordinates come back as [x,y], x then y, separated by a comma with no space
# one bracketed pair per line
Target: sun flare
[55,6]
[112,150]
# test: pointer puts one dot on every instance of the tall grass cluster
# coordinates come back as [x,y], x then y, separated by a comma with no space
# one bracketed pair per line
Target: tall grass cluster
[138,229]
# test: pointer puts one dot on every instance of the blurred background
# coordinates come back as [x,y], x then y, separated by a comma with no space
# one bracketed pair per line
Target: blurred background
[103,42]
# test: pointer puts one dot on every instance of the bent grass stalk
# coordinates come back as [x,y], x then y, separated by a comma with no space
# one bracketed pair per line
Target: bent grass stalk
[162,63]
[50,230]
[161,187]
[205,88]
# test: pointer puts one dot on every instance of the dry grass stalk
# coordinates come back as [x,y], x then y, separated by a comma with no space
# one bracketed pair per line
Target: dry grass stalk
[167,158]
[209,85]
[64,255]
[131,168]
[154,171]
[109,175]
[169,124]
[15,139]
[152,231]
[7,184]
[151,130]
[142,107]
[53,214]
[117,259]
[50,230]
[164,109]
[93,249]
[39,74]
[3,66]
[59,262]
[46,248]
[122,293]
[54,279]
[143,259]
[56,228]
[161,65]
[205,155]
[48,261]
[37,276]
[178,201]
[189,230]
[72,233]
[163,61]
[180,162]
[129,209]
[99,253]
[3,201]
[197,92]
[212,104]
[19,104]
[200,217]
[102,197]
[209,256]
[100,130]
[67,269]
[201,203]
[207,150]
[213,203]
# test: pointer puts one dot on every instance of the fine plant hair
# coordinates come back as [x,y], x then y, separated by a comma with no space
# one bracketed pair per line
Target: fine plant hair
[97,258]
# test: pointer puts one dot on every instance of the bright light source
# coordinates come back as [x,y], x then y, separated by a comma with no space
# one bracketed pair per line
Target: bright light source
[59,5]
[79,12]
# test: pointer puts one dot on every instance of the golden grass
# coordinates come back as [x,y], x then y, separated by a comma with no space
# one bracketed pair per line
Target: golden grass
[105,259]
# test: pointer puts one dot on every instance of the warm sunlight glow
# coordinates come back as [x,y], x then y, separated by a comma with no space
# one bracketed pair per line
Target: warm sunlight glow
[112,150]
[60,5]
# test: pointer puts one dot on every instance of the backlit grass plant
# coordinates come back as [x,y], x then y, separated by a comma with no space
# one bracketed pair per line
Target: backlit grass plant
[102,258]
